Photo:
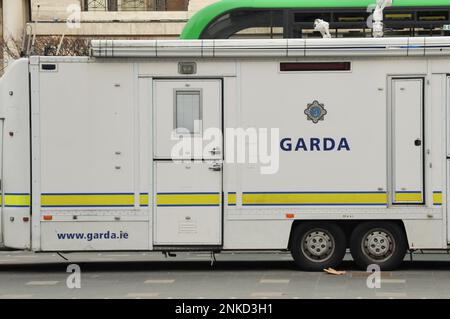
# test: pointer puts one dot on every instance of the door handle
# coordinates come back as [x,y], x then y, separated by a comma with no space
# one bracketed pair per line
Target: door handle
[215,151]
[216,167]
[418,142]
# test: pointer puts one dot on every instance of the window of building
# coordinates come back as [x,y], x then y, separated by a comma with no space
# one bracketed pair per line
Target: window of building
[96,5]
[133,5]
[136,5]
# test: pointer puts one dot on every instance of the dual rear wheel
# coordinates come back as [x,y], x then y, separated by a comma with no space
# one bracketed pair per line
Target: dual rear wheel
[319,245]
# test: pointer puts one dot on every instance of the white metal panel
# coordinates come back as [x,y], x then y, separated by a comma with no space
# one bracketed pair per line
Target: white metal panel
[188,204]
[88,142]
[408,141]
[145,121]
[17,228]
[114,48]
[253,47]
[431,46]
[416,46]
[358,115]
[206,68]
[357,47]
[15,175]
[425,234]
[36,151]
[437,46]
[296,47]
[257,234]
[165,115]
[170,48]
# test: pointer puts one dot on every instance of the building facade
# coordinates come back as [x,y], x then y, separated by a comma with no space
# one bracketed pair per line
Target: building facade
[155,19]
[44,26]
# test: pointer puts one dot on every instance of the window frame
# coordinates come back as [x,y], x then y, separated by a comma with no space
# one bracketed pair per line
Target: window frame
[191,91]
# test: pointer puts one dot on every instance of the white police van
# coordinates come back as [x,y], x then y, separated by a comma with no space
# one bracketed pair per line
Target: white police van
[314,146]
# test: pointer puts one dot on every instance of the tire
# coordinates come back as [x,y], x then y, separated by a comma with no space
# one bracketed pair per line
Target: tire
[367,245]
[311,257]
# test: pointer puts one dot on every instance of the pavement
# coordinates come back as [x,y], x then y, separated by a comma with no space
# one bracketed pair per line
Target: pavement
[137,275]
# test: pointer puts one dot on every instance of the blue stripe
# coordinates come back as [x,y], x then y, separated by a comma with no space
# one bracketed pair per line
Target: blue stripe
[256,193]
[314,205]
[408,192]
[193,205]
[216,193]
[17,206]
[75,206]
[86,194]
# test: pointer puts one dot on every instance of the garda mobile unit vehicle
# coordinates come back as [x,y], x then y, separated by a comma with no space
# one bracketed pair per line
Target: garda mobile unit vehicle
[359,129]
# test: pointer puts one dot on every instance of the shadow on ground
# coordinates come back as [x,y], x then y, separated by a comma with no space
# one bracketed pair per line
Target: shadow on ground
[201,266]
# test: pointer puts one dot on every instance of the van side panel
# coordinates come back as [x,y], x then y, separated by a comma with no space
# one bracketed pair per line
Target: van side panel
[14,112]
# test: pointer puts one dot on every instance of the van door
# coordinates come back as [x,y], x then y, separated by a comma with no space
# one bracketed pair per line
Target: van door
[407,131]
[448,159]
[187,163]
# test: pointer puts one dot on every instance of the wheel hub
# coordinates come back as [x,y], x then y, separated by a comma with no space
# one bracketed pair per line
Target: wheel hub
[318,245]
[378,244]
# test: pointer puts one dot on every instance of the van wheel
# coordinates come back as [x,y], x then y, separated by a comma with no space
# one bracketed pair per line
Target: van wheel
[380,243]
[317,246]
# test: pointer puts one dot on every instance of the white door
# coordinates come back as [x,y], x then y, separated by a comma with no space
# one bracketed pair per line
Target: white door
[448,160]
[188,162]
[407,141]
[184,111]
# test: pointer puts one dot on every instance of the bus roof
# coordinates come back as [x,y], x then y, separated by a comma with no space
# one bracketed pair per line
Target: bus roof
[201,20]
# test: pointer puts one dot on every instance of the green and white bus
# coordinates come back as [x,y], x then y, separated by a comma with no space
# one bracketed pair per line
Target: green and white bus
[295,18]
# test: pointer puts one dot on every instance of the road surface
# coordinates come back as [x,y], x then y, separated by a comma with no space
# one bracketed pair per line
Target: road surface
[190,275]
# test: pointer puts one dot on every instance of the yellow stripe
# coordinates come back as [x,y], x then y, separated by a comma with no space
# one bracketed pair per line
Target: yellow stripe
[408,198]
[433,18]
[187,199]
[315,199]
[87,200]
[231,199]
[144,200]
[344,19]
[16,200]
[398,16]
[437,198]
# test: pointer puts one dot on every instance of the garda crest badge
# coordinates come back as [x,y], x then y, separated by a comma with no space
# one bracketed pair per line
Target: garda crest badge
[316,112]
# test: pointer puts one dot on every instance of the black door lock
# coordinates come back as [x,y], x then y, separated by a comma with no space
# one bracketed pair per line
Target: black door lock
[418,142]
